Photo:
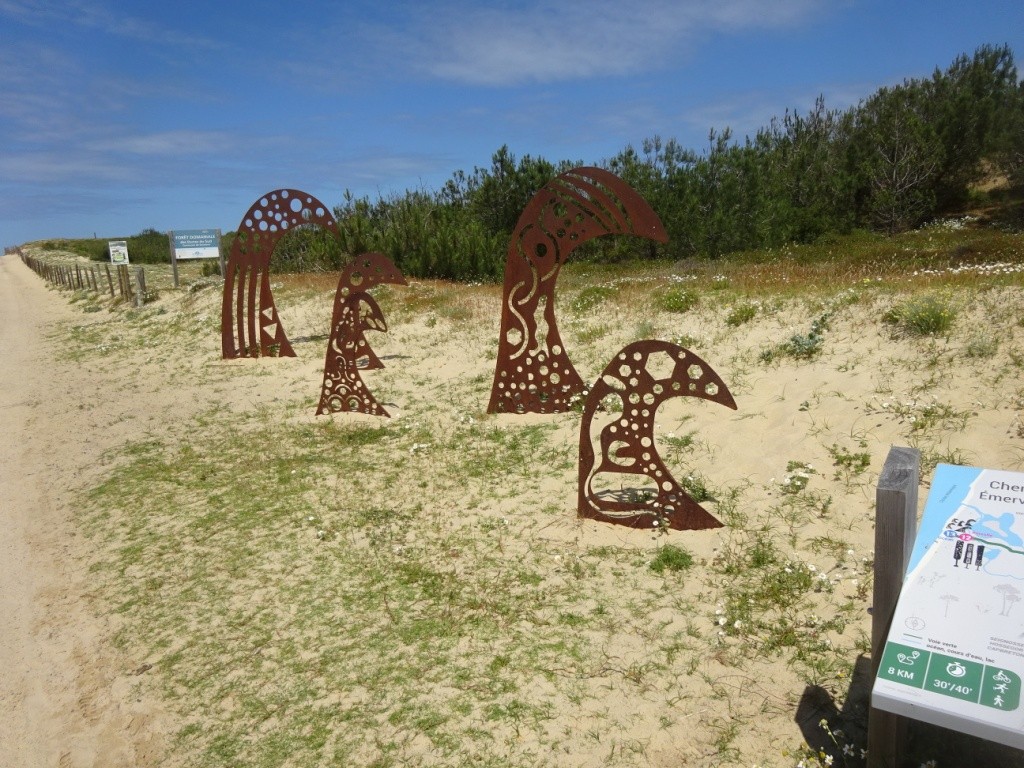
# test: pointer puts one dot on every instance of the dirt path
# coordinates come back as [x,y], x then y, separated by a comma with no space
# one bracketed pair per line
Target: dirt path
[67,698]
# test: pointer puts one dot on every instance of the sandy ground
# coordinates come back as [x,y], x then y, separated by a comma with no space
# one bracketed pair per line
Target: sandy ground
[70,697]
[66,696]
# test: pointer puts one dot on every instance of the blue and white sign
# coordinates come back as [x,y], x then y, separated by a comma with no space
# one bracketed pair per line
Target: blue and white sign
[196,244]
[955,653]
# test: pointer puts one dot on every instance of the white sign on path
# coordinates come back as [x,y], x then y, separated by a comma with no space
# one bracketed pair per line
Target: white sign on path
[955,652]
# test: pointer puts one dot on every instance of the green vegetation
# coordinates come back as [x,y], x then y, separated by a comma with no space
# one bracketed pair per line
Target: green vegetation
[671,558]
[801,346]
[741,313]
[850,463]
[147,247]
[922,316]
[678,299]
[901,157]
[418,590]
[591,296]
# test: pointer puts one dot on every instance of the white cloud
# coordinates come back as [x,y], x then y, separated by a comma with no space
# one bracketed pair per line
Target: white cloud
[179,143]
[547,41]
[94,15]
[32,169]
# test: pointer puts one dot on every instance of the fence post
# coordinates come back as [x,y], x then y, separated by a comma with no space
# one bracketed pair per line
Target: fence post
[895,528]
[174,256]
[220,256]
[110,280]
[140,287]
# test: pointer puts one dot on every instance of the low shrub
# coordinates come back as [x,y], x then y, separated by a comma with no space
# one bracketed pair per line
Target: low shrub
[671,558]
[921,316]
[741,313]
[677,299]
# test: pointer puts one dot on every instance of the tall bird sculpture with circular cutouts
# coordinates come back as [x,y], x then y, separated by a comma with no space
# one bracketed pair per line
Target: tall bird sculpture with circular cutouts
[249,325]
[355,311]
[533,373]
[636,382]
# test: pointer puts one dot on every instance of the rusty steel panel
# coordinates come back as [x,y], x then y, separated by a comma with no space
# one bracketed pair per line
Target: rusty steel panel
[249,325]
[355,311]
[533,373]
[637,381]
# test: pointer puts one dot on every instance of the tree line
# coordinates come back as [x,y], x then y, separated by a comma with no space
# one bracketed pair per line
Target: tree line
[900,157]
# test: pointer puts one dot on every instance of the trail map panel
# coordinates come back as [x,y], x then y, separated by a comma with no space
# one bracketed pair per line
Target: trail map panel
[955,653]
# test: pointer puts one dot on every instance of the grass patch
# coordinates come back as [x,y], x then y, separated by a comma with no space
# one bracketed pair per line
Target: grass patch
[671,558]
[590,297]
[677,299]
[930,315]
[418,590]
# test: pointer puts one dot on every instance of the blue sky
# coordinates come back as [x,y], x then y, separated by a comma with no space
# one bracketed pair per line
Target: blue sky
[120,116]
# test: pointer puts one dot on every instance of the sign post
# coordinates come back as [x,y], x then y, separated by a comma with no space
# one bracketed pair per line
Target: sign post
[954,655]
[194,244]
[118,251]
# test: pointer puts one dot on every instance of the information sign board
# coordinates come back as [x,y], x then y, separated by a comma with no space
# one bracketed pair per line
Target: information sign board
[954,655]
[118,251]
[196,243]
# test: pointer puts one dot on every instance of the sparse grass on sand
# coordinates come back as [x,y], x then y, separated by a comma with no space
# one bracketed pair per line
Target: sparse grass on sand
[418,590]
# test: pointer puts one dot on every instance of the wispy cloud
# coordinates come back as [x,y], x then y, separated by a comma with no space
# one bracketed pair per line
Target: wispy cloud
[95,15]
[48,167]
[548,41]
[180,143]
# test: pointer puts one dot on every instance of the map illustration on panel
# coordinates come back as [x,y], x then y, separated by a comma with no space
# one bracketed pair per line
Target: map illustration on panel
[955,652]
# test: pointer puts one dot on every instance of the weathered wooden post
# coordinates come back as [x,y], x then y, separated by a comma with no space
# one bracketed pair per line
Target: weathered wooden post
[110,280]
[140,287]
[895,528]
[174,257]
[220,256]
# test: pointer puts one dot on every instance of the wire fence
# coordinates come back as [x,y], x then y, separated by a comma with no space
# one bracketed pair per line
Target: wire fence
[119,279]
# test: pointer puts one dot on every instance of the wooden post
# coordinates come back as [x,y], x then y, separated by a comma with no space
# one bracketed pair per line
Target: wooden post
[174,257]
[110,280]
[140,287]
[895,528]
[220,256]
